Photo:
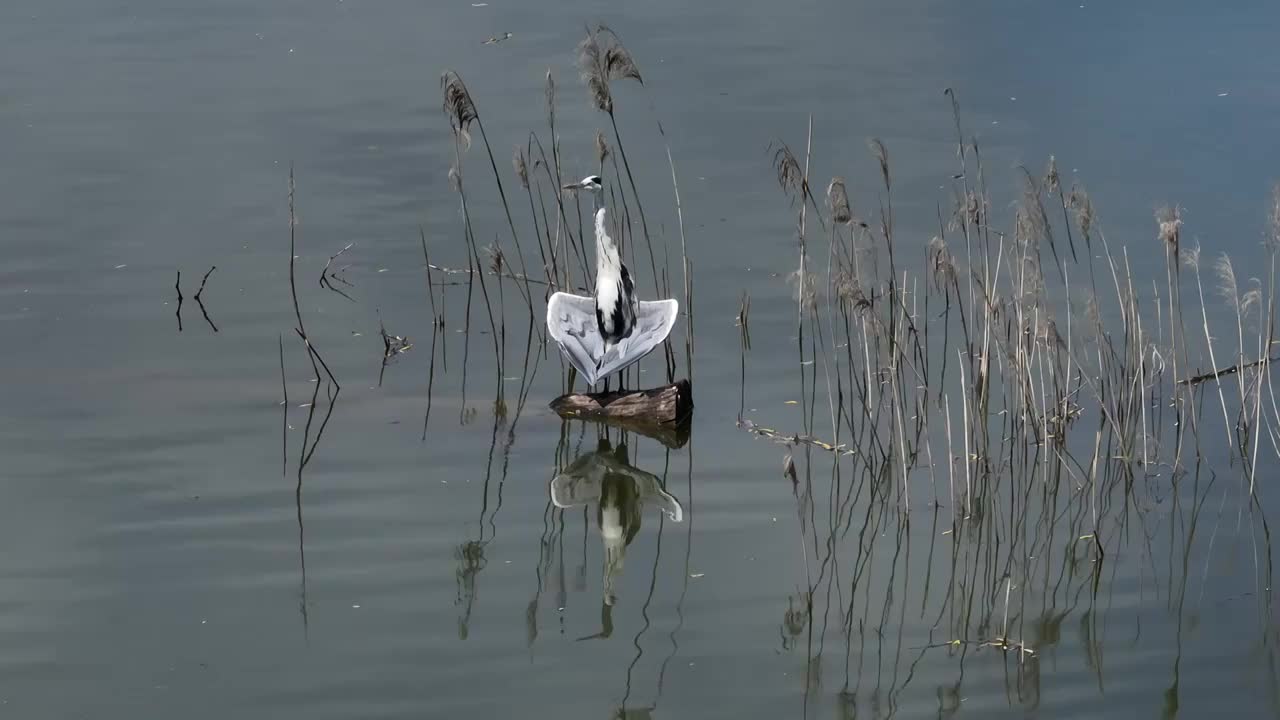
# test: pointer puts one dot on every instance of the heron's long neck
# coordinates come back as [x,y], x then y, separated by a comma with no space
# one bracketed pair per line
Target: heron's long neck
[608,263]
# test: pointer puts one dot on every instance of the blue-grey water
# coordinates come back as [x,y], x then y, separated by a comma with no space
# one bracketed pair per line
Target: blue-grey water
[158,560]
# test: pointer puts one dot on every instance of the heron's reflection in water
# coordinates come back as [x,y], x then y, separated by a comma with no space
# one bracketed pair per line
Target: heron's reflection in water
[621,494]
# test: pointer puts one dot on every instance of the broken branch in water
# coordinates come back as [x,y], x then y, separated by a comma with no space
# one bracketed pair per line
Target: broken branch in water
[392,345]
[793,438]
[326,275]
[508,275]
[1196,380]
[201,303]
[293,290]
[204,280]
[177,285]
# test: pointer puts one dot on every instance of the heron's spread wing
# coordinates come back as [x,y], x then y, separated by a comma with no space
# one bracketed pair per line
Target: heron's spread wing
[654,320]
[571,321]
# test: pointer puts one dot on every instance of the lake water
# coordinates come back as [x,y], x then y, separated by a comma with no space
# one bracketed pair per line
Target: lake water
[164,556]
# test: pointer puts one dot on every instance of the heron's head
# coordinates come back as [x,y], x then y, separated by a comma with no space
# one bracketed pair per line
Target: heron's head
[590,183]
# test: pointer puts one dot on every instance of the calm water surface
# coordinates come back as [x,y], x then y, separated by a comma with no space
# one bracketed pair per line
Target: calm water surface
[158,563]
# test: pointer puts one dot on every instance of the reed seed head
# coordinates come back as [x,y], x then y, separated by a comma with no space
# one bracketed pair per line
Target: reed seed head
[1169,222]
[602,148]
[881,154]
[1273,220]
[1228,286]
[551,97]
[458,106]
[790,176]
[941,263]
[497,260]
[846,286]
[522,167]
[972,209]
[1037,220]
[838,201]
[1083,207]
[1251,300]
[806,289]
[601,60]
[1052,181]
[1092,312]
[1191,258]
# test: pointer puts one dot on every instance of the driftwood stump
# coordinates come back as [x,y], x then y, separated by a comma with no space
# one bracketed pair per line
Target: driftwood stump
[662,413]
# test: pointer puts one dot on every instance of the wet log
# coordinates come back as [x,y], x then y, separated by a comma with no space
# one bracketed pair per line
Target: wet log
[662,413]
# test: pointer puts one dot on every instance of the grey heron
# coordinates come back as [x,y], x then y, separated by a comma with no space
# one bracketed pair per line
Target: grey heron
[606,333]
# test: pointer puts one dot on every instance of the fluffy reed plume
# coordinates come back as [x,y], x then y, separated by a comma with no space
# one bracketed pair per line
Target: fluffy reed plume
[1053,186]
[458,106]
[602,150]
[790,175]
[521,166]
[1191,258]
[968,210]
[1273,219]
[602,59]
[849,290]
[942,266]
[838,202]
[550,92]
[881,154]
[806,288]
[1251,300]
[1228,286]
[497,259]
[1083,206]
[1038,227]
[1052,180]
[1169,222]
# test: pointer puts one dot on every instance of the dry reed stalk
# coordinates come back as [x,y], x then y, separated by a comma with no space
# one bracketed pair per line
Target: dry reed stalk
[460,109]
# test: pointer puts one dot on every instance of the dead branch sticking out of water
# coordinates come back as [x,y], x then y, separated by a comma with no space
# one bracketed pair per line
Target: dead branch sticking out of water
[392,346]
[177,285]
[791,439]
[199,302]
[284,419]
[327,275]
[1215,374]
[301,330]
